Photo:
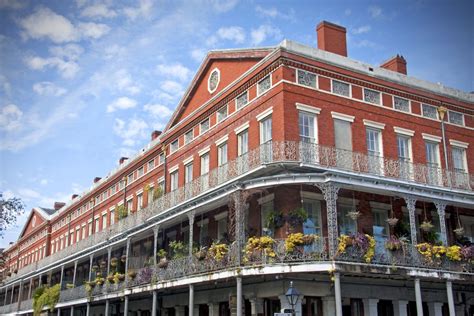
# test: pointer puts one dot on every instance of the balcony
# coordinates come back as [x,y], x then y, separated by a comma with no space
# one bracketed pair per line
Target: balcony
[294,152]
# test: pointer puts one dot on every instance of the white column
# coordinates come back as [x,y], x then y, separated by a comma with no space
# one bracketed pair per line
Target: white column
[191,300]
[400,308]
[435,309]
[91,260]
[88,309]
[109,256]
[179,310]
[239,296]
[74,275]
[329,305]
[213,309]
[256,305]
[107,307]
[191,232]
[155,240]
[72,310]
[61,278]
[125,306]
[370,307]
[154,303]
[337,293]
[127,252]
[449,290]
[59,312]
[419,303]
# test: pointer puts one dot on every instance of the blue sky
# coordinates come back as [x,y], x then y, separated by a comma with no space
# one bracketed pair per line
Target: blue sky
[84,82]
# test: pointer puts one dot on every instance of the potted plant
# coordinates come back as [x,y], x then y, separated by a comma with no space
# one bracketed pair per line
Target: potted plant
[132,274]
[297,217]
[392,221]
[217,251]
[99,280]
[178,249]
[201,253]
[354,215]
[274,220]
[69,286]
[393,243]
[426,226]
[163,262]
[95,267]
[110,278]
[257,245]
[157,193]
[459,231]
[114,262]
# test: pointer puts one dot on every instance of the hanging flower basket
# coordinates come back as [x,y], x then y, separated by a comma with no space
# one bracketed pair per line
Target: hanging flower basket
[426,226]
[123,258]
[392,221]
[354,215]
[95,267]
[459,231]
[113,262]
[110,278]
[132,274]
[201,254]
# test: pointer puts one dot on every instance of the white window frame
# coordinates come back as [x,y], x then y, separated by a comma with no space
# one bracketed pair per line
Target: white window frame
[246,93]
[429,105]
[372,90]
[174,179]
[226,106]
[308,72]
[208,127]
[186,140]
[343,82]
[393,104]
[240,142]
[462,116]
[174,146]
[258,84]
[203,163]
[188,173]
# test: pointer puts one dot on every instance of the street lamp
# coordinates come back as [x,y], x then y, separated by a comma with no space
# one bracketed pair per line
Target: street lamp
[292,295]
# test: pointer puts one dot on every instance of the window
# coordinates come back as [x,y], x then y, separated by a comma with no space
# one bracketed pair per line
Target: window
[264,85]
[432,154]
[140,201]
[403,144]
[312,225]
[266,209]
[174,180]
[140,171]
[221,226]
[307,126]
[188,137]
[204,126]
[188,173]
[97,225]
[346,224]
[205,164]
[90,229]
[104,221]
[459,159]
[112,215]
[130,178]
[266,130]
[222,113]
[401,104]
[374,146]
[203,231]
[161,159]
[455,118]
[306,78]
[241,100]
[341,88]
[222,154]
[83,232]
[429,111]
[371,96]
[380,226]
[243,142]
[343,134]
[151,165]
[129,205]
[174,146]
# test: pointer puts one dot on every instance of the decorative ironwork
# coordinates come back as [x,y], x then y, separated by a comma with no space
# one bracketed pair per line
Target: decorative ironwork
[410,200]
[330,192]
[441,208]
[306,78]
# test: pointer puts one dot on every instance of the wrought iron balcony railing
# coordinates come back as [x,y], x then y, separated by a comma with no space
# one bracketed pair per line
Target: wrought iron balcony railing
[324,157]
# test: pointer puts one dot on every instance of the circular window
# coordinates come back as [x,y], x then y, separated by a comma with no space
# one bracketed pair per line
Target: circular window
[213,80]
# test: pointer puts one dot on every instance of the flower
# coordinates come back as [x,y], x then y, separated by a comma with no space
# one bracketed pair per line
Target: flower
[453,253]
[218,251]
[264,244]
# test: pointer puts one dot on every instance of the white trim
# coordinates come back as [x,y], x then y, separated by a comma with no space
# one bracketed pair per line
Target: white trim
[209,80]
[173,169]
[162,179]
[457,143]
[112,208]
[266,198]
[96,216]
[130,197]
[242,128]
[403,131]
[264,114]
[259,93]
[120,203]
[222,140]
[104,213]
[343,117]
[139,192]
[432,138]
[188,160]
[220,216]
[462,115]
[374,124]
[307,108]
[204,151]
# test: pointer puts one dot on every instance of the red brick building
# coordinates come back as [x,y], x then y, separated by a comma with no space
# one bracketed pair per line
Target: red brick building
[273,142]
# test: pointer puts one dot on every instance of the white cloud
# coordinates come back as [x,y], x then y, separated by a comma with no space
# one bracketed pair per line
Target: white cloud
[124,81]
[362,29]
[143,10]
[172,87]
[158,110]
[12,4]
[10,118]
[97,11]
[44,181]
[232,33]
[45,23]
[28,194]
[263,32]
[5,86]
[48,88]
[365,44]
[69,51]
[222,6]
[121,103]
[198,54]
[132,131]
[274,13]
[66,69]
[174,70]
[375,11]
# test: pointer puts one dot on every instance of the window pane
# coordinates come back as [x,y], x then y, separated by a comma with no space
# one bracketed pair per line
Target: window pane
[204,164]
[403,151]
[306,78]
[263,85]
[458,159]
[243,142]
[188,137]
[205,126]
[431,155]
[340,88]
[222,113]
[371,96]
[241,100]
[266,130]
[401,104]
[343,134]
[222,154]
[455,118]
[429,111]
[307,127]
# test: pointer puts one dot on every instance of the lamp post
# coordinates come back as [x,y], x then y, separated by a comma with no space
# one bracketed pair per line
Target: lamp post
[292,295]
[441,112]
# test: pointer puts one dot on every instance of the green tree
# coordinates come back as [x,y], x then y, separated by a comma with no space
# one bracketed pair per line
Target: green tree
[10,209]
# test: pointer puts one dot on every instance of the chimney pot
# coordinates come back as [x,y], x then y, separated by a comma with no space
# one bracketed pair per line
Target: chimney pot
[122,160]
[58,205]
[97,179]
[155,134]
[396,63]
[74,196]
[332,38]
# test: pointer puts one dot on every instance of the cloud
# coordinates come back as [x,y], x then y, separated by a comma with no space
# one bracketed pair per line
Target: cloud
[132,131]
[48,88]
[10,118]
[143,10]
[172,87]
[69,51]
[263,32]
[12,4]
[121,103]
[45,23]
[375,12]
[365,44]
[232,33]
[222,6]
[28,194]
[347,12]
[97,11]
[274,13]
[198,54]
[158,110]
[124,82]
[174,70]
[44,181]
[362,29]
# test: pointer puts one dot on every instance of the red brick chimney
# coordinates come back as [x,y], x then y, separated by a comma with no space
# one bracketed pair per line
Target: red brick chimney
[97,179]
[332,38]
[396,63]
[122,160]
[58,205]
[155,134]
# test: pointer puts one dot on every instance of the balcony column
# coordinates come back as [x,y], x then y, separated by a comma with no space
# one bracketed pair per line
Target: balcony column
[6,294]
[419,303]
[88,309]
[256,305]
[410,201]
[435,309]
[72,310]
[329,305]
[337,293]
[107,308]
[125,306]
[127,252]
[61,278]
[74,275]
[449,290]
[179,310]
[370,306]
[191,300]
[213,309]
[91,261]
[237,218]
[330,192]
[20,290]
[154,303]
[13,291]
[239,296]
[29,289]
[59,312]
[441,208]
[40,281]
[400,308]
[109,256]
[191,216]
[155,242]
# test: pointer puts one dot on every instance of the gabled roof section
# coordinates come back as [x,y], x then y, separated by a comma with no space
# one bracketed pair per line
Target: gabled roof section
[230,64]
[37,217]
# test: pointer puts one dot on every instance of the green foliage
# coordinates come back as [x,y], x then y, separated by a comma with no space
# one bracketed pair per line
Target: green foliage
[161,253]
[297,216]
[157,193]
[402,229]
[10,210]
[432,238]
[121,211]
[45,296]
[274,219]
[178,249]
